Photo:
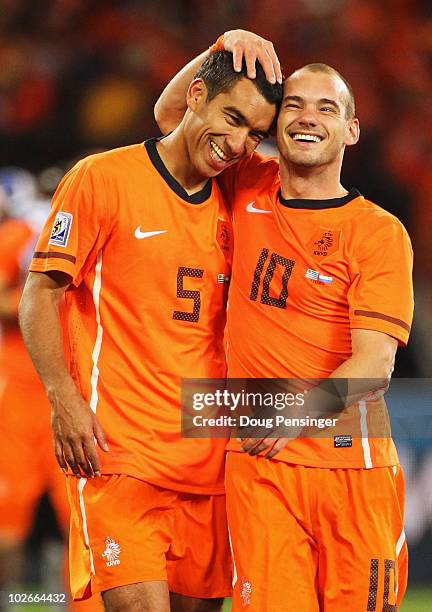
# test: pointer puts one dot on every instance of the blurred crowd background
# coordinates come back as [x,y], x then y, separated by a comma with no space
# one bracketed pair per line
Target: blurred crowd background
[77,75]
[83,75]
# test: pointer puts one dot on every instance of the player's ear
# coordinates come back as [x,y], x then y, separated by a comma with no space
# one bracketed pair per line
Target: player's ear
[353,132]
[196,94]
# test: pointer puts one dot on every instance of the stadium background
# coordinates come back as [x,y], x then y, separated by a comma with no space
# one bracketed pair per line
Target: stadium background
[83,75]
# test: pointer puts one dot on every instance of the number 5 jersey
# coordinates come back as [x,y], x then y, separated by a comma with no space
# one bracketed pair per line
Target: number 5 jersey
[149,267]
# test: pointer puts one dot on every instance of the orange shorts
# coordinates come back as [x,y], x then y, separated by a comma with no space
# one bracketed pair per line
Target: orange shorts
[28,467]
[313,539]
[124,531]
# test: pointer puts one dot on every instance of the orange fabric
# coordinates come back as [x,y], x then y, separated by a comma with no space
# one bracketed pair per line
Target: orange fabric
[28,467]
[92,604]
[300,549]
[14,236]
[161,308]
[27,463]
[160,534]
[16,241]
[14,360]
[218,45]
[282,323]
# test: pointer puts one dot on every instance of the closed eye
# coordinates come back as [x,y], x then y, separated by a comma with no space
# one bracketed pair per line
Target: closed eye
[257,136]
[233,120]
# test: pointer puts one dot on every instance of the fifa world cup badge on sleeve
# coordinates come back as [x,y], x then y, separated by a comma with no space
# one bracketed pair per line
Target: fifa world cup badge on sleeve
[61,229]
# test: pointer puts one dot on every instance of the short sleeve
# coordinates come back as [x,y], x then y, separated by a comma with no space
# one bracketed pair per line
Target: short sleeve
[381,297]
[77,225]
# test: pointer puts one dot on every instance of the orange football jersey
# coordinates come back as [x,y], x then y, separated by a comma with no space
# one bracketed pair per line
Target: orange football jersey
[306,272]
[16,239]
[149,267]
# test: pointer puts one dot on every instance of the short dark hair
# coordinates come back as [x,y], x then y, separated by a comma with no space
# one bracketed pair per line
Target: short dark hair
[219,75]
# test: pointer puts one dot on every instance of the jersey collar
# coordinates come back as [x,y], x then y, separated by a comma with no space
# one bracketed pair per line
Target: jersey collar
[196,198]
[319,204]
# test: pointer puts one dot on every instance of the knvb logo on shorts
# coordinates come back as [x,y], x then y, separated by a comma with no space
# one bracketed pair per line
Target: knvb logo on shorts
[246,592]
[61,229]
[112,552]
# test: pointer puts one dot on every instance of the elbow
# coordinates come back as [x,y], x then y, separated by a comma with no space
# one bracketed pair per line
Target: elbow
[157,113]
[160,117]
[168,115]
[383,369]
[387,364]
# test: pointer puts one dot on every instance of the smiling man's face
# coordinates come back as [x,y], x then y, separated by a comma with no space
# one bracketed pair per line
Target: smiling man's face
[314,124]
[223,130]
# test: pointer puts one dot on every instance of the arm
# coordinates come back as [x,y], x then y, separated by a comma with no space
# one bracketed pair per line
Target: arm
[373,355]
[73,422]
[381,303]
[368,371]
[171,105]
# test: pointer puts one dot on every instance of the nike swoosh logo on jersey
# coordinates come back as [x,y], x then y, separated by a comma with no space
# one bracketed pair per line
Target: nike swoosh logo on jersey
[251,208]
[139,234]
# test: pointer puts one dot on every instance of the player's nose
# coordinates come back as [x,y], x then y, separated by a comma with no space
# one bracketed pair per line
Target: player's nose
[236,142]
[308,116]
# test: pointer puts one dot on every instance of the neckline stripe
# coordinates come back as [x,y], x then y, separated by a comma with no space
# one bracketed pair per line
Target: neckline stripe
[319,204]
[196,198]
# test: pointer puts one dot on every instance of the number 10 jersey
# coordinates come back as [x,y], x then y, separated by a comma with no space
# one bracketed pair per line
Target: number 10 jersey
[305,273]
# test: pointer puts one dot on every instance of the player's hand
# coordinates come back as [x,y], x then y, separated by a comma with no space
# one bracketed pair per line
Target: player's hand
[271,443]
[243,44]
[254,446]
[75,429]
[256,440]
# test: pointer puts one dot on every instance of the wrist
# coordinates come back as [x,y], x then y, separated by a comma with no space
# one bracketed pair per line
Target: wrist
[61,385]
[218,45]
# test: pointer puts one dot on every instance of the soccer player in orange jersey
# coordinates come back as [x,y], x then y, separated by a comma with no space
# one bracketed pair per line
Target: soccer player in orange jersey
[139,243]
[321,288]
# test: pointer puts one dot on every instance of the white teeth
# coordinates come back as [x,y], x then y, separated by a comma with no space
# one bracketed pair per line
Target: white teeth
[309,137]
[217,150]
